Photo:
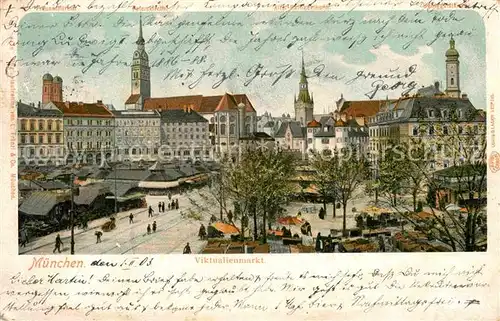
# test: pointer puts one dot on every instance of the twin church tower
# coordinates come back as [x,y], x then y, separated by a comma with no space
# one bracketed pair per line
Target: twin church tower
[303,103]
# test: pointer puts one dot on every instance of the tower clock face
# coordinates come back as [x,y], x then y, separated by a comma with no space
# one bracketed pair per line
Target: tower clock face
[302,86]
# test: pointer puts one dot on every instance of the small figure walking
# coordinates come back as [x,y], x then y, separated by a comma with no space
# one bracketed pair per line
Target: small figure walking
[169,206]
[131,218]
[173,204]
[98,234]
[58,244]
[202,232]
[163,207]
[149,229]
[187,249]
[150,211]
[154,226]
[24,238]
[159,207]
[176,204]
[169,196]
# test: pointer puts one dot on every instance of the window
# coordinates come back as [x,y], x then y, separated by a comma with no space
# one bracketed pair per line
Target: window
[431,130]
[222,119]
[49,139]
[223,129]
[40,125]
[460,129]
[231,129]
[452,81]
[325,140]
[309,141]
[415,130]
[476,129]
[445,130]
[58,138]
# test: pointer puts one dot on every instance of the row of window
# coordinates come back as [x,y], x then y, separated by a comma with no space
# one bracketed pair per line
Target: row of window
[223,119]
[41,139]
[186,136]
[50,125]
[88,145]
[174,129]
[88,122]
[137,122]
[89,133]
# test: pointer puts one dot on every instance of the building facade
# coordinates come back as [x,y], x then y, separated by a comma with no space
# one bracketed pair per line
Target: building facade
[40,133]
[137,134]
[88,131]
[444,122]
[184,135]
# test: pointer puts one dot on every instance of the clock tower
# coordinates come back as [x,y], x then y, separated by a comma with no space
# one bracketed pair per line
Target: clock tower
[140,77]
[452,71]
[304,103]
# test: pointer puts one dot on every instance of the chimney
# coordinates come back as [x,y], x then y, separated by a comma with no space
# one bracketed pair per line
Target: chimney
[464,96]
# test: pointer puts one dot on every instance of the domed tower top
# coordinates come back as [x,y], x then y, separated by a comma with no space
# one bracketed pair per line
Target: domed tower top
[58,79]
[452,53]
[48,77]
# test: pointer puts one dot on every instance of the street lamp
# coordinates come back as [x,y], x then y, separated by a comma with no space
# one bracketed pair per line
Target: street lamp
[72,211]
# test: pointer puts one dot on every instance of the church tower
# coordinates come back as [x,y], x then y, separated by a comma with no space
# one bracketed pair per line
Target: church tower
[304,104]
[452,71]
[140,77]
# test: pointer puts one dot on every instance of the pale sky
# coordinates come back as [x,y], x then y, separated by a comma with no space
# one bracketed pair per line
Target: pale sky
[56,37]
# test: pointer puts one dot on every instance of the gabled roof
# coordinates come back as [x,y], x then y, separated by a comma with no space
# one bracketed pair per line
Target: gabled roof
[133,99]
[181,116]
[25,110]
[361,108]
[88,193]
[51,185]
[199,103]
[41,203]
[227,103]
[128,174]
[314,123]
[122,188]
[83,109]
[295,129]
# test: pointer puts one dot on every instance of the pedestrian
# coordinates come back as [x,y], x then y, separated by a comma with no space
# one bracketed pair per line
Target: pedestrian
[169,206]
[176,203]
[149,229]
[159,207]
[163,207]
[202,232]
[150,211]
[131,218]
[154,226]
[24,238]
[187,249]
[169,196]
[58,244]
[173,204]
[98,234]
[319,243]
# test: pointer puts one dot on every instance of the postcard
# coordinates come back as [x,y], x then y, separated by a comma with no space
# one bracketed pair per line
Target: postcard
[227,160]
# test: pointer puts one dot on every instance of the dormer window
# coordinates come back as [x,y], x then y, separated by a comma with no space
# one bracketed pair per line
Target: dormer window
[431,113]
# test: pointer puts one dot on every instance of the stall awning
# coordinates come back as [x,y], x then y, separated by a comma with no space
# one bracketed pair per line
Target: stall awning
[158,185]
[128,197]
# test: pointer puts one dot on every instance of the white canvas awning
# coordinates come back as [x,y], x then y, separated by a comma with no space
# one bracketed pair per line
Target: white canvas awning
[158,185]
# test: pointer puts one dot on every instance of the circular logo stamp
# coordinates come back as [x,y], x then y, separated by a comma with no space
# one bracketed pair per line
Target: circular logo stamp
[494,162]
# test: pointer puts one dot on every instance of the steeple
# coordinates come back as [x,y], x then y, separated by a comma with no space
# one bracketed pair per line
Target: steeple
[452,71]
[303,85]
[140,80]
[140,40]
